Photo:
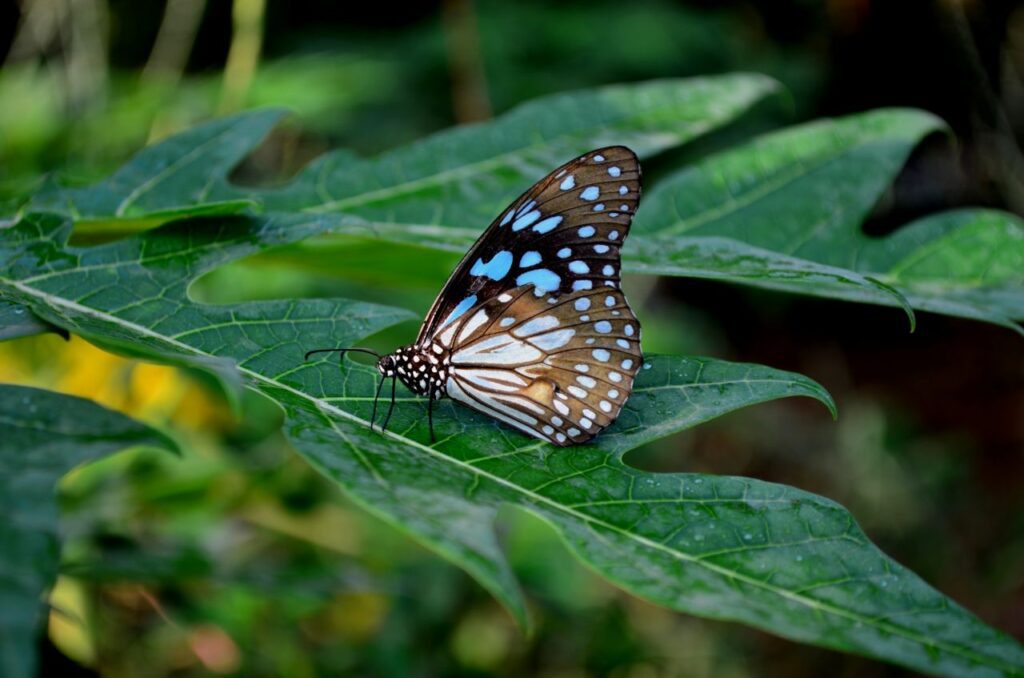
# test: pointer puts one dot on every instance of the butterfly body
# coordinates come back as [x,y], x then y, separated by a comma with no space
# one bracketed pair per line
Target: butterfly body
[423,371]
[532,327]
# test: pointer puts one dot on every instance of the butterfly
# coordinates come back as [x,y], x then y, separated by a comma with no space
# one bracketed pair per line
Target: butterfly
[532,327]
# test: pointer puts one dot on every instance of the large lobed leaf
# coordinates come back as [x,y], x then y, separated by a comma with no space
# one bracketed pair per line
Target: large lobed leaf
[44,435]
[782,211]
[770,556]
[463,176]
[801,195]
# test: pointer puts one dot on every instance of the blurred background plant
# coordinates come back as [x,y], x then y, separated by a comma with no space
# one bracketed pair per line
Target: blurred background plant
[238,558]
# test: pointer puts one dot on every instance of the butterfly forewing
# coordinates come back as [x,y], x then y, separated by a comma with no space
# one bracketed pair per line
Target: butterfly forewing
[536,328]
[561,235]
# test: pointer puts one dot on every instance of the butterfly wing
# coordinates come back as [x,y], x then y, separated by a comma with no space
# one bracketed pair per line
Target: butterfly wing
[559,368]
[539,334]
[563,234]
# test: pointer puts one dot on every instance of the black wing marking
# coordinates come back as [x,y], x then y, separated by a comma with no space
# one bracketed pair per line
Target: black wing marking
[563,234]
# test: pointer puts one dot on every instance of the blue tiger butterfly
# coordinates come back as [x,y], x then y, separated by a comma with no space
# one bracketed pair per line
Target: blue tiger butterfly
[532,328]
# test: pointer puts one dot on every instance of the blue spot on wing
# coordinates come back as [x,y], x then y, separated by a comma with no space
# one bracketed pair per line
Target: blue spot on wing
[547,224]
[529,259]
[495,269]
[525,220]
[463,306]
[541,278]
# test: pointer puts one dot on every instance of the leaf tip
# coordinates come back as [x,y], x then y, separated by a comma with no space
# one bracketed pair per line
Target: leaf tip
[826,399]
[163,441]
[831,405]
[901,300]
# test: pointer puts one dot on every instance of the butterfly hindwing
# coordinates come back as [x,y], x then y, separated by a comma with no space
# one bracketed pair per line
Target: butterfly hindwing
[561,235]
[558,367]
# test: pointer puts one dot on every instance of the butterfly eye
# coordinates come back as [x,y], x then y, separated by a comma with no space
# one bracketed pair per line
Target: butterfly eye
[385,364]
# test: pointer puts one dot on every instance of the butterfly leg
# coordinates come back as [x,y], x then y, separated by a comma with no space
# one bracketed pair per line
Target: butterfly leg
[376,397]
[391,408]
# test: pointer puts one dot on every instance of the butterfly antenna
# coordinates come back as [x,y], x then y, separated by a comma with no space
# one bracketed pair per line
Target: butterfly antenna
[341,351]
[390,407]
[376,397]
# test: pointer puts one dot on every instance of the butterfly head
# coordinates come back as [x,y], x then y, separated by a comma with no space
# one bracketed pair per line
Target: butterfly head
[387,365]
[422,372]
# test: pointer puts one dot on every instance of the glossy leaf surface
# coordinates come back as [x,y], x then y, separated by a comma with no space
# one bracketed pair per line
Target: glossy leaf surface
[767,555]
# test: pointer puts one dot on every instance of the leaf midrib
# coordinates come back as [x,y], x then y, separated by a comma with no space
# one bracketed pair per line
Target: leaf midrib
[402,188]
[323,406]
[747,197]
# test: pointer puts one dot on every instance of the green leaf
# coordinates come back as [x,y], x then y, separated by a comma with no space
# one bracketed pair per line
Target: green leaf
[781,212]
[173,178]
[968,263]
[461,176]
[17,321]
[803,190]
[468,174]
[767,555]
[801,194]
[45,435]
[733,261]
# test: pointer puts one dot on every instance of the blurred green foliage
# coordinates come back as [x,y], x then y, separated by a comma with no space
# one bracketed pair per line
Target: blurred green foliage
[369,90]
[37,135]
